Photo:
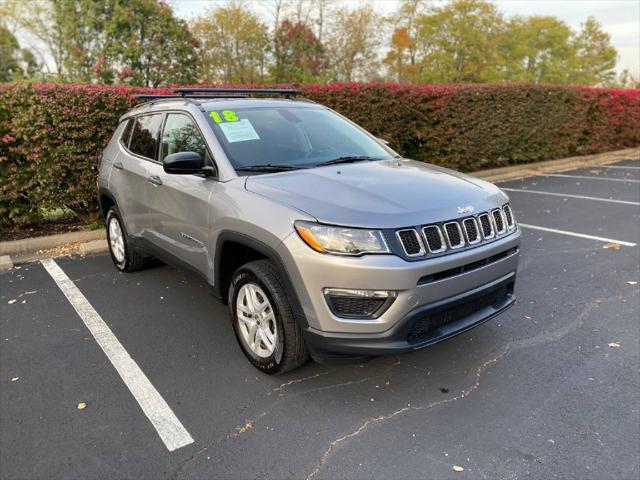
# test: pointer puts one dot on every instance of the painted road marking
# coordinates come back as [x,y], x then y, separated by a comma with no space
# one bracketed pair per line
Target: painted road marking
[581,197]
[574,234]
[586,177]
[618,166]
[171,431]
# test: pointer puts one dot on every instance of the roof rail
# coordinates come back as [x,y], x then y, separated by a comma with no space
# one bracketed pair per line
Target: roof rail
[286,92]
[156,97]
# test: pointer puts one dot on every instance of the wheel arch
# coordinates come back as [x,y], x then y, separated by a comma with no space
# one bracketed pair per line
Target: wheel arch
[234,249]
[106,200]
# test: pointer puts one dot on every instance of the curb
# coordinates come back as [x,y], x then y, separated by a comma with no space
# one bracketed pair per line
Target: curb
[31,245]
[516,172]
[94,241]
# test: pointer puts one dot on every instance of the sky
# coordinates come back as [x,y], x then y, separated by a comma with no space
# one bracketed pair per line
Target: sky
[619,18]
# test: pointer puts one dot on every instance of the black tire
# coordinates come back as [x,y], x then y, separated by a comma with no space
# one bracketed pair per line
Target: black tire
[290,351]
[132,259]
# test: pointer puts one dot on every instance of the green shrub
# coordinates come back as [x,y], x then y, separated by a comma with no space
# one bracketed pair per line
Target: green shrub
[52,135]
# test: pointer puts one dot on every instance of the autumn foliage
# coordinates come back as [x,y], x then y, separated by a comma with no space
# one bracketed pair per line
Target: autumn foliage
[52,135]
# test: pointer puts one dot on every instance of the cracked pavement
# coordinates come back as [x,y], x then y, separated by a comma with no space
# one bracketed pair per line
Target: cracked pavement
[535,393]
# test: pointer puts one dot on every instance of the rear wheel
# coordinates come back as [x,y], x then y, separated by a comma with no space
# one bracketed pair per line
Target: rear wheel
[123,255]
[263,319]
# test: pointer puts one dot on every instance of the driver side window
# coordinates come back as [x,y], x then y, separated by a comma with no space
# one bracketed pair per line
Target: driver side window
[181,134]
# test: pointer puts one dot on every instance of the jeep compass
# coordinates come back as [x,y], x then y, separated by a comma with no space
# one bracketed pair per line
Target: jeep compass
[322,240]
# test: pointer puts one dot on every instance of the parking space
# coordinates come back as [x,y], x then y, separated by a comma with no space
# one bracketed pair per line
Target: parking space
[549,389]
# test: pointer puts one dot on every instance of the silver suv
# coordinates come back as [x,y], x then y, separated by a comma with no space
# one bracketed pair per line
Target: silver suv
[322,240]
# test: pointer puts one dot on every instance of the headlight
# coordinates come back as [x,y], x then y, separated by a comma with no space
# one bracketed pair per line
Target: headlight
[341,240]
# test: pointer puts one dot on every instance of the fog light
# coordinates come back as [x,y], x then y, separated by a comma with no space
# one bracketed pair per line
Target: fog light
[362,304]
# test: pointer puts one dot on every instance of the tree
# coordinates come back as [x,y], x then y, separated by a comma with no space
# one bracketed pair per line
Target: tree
[354,43]
[299,56]
[153,47]
[401,59]
[458,42]
[9,55]
[537,49]
[595,57]
[233,45]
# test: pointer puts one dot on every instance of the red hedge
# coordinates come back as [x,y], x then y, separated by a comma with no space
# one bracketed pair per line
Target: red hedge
[51,135]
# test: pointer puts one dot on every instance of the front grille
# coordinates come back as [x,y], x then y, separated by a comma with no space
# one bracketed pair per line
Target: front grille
[410,242]
[499,221]
[424,327]
[471,230]
[434,239]
[354,307]
[454,234]
[509,216]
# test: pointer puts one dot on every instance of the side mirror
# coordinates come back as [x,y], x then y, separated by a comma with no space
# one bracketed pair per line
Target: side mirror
[183,163]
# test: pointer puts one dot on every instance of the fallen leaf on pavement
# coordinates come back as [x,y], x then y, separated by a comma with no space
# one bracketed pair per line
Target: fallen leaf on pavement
[244,428]
[82,406]
[457,468]
[614,344]
[387,382]
[11,302]
[613,246]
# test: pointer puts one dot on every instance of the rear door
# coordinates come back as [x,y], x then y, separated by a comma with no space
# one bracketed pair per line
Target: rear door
[135,192]
[181,202]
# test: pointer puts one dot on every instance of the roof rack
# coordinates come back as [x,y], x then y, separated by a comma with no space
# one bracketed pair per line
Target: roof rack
[219,93]
[286,92]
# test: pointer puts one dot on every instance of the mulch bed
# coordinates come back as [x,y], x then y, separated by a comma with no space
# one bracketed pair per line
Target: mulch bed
[53,227]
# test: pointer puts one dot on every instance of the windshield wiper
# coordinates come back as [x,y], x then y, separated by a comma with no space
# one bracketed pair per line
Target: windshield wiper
[269,167]
[347,159]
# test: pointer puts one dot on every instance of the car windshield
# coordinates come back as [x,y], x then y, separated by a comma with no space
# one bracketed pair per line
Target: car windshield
[274,139]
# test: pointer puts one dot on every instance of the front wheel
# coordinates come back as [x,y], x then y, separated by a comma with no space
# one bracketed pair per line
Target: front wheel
[263,320]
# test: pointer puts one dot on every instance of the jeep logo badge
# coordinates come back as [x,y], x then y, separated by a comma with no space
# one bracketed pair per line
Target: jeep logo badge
[465,209]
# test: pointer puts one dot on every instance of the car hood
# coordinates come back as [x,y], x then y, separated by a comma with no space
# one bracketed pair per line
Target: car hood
[382,194]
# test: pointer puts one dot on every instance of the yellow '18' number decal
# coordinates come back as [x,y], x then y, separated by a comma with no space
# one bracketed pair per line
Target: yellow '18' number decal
[229,116]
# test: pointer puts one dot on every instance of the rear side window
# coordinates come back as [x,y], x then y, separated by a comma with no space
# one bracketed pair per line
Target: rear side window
[126,133]
[144,140]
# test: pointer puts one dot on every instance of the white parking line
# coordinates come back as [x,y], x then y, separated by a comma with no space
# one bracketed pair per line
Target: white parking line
[618,166]
[586,177]
[580,235]
[581,197]
[171,431]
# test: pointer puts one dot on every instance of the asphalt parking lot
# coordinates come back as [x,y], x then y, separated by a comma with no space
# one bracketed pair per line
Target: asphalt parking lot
[548,390]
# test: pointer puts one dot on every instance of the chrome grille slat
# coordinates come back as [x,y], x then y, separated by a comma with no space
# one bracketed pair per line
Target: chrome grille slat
[487,226]
[508,215]
[411,242]
[471,230]
[434,239]
[453,232]
[498,221]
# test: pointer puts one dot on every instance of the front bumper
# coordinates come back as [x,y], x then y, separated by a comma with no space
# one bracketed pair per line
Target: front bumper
[418,283]
[493,299]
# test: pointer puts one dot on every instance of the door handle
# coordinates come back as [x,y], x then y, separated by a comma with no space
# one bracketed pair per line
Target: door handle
[155,180]
[118,165]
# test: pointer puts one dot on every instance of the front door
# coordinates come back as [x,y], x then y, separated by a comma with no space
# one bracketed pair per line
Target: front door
[182,201]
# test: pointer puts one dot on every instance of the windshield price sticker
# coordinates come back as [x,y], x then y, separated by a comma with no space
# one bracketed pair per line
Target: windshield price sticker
[238,131]
[224,116]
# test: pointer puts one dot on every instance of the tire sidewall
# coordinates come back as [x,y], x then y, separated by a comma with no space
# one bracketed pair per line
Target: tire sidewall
[272,363]
[114,214]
